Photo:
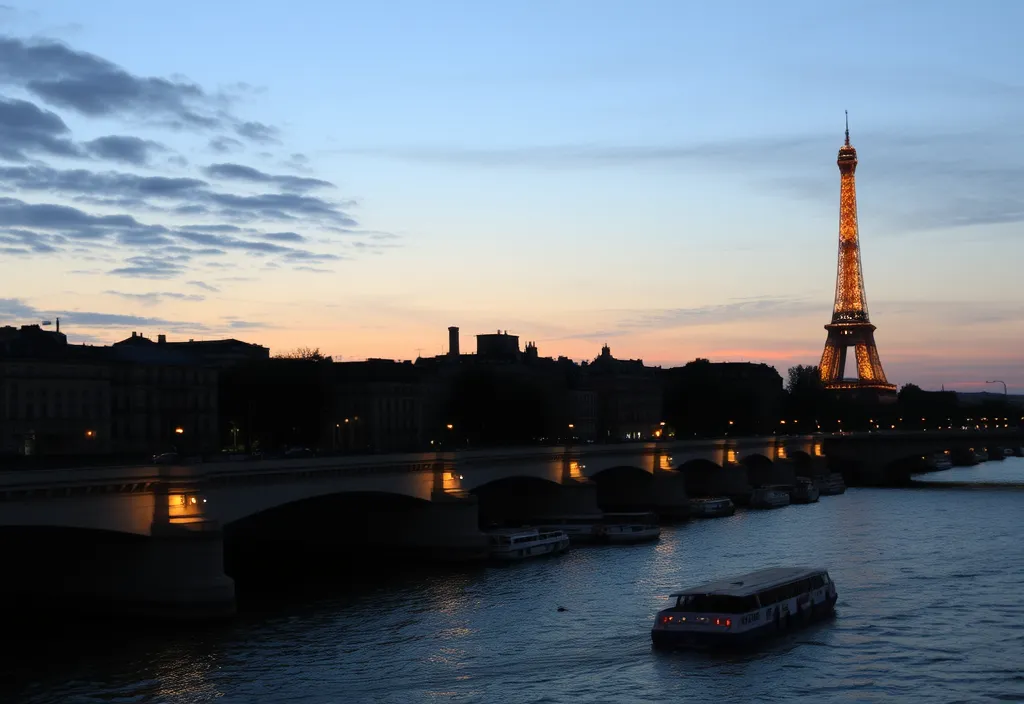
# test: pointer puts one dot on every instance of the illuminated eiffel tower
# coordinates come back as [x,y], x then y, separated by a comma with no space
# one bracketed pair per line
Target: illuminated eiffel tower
[851,326]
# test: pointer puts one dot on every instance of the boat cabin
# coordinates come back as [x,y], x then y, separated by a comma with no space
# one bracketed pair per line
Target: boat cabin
[740,608]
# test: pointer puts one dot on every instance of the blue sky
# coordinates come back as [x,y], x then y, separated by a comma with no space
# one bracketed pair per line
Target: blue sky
[656,175]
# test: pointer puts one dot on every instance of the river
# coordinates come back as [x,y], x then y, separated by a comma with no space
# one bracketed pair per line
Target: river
[930,610]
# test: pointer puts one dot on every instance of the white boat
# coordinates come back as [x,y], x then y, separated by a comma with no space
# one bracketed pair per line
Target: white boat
[624,528]
[769,497]
[805,491]
[521,543]
[712,507]
[744,609]
[831,484]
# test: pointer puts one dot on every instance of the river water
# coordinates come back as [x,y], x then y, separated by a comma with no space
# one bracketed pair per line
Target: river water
[930,610]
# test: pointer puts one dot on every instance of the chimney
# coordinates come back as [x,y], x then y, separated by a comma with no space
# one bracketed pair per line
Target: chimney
[161,339]
[453,341]
[133,333]
[58,324]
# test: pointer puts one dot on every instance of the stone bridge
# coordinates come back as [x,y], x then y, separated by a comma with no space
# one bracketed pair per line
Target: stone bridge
[889,458]
[155,537]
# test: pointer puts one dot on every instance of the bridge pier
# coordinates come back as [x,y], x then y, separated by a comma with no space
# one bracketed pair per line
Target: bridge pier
[731,480]
[573,497]
[670,500]
[176,573]
[446,529]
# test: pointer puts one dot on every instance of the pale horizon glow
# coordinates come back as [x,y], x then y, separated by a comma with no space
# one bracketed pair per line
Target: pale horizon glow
[657,176]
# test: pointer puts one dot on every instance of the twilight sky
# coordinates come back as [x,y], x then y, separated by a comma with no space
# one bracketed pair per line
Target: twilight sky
[657,175]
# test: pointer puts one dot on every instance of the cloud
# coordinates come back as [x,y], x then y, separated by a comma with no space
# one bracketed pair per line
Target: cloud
[143,267]
[204,286]
[156,296]
[927,179]
[130,150]
[238,172]
[224,145]
[314,270]
[96,87]
[16,309]
[744,309]
[257,132]
[194,196]
[284,237]
[27,129]
[297,161]
[125,221]
[246,325]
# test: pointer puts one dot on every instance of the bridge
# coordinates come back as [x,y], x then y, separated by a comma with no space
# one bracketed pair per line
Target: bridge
[158,539]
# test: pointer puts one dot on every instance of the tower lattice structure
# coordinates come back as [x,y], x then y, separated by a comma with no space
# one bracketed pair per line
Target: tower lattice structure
[851,326]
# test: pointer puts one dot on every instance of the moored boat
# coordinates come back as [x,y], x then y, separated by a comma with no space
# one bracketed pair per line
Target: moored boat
[804,492]
[831,484]
[712,507]
[769,497]
[521,543]
[744,609]
[581,529]
[625,528]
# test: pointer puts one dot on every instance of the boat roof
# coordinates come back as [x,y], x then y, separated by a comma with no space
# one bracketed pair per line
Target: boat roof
[752,582]
[512,531]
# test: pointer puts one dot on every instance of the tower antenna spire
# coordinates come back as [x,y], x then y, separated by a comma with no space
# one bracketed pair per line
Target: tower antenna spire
[847,112]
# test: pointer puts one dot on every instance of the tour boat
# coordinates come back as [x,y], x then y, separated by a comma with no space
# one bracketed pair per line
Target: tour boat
[712,507]
[521,543]
[745,609]
[939,461]
[624,528]
[832,484]
[805,491]
[769,497]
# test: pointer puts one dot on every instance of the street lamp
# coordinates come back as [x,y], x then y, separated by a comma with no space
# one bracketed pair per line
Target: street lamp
[998,382]
[179,430]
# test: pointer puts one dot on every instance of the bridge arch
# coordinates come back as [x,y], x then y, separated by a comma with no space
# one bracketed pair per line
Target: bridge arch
[803,463]
[232,502]
[521,499]
[759,468]
[321,534]
[129,513]
[624,488]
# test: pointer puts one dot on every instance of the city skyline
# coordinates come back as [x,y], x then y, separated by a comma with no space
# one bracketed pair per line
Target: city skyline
[577,178]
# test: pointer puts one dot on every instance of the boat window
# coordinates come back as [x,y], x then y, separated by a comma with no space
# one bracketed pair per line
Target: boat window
[817,582]
[716,603]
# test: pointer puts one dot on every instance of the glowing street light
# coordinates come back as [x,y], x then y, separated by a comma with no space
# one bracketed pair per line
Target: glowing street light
[179,430]
[449,426]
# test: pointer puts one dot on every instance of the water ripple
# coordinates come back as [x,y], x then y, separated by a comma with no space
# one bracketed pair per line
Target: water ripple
[929,610]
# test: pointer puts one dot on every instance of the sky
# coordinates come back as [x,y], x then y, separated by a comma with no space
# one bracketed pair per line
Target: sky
[659,176]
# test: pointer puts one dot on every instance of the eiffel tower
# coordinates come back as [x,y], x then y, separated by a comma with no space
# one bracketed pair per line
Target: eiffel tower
[851,326]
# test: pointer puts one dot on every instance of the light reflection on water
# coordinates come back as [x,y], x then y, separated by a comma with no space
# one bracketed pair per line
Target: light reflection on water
[929,610]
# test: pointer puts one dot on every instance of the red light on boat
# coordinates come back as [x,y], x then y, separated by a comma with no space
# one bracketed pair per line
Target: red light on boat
[728,622]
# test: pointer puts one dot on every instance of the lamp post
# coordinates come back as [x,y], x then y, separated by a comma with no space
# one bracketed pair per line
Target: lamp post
[997,381]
